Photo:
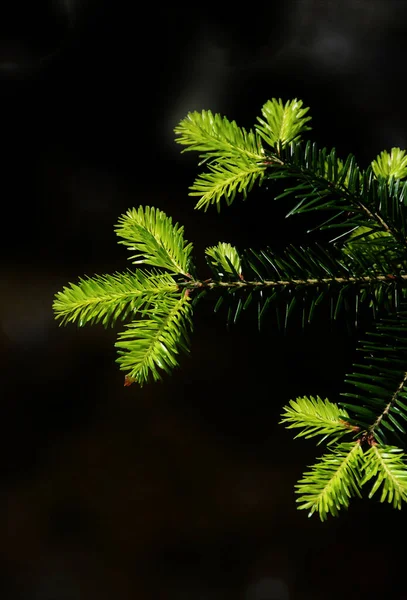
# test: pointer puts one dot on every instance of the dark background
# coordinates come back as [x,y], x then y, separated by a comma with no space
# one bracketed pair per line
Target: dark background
[182,489]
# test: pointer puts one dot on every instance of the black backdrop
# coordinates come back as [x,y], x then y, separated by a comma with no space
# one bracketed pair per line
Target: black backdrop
[182,489]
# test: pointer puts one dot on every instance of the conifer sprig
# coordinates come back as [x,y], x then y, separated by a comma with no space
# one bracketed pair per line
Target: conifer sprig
[155,240]
[387,464]
[224,180]
[108,298]
[283,123]
[332,481]
[214,137]
[366,262]
[148,347]
[342,473]
[379,381]
[235,158]
[317,417]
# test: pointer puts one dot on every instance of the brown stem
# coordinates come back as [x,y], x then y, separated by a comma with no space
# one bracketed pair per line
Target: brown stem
[389,405]
[211,283]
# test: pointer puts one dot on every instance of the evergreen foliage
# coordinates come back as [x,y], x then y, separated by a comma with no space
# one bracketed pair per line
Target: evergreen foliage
[365,262]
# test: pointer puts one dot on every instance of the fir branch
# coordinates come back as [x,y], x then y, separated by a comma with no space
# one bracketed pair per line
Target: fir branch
[155,239]
[282,123]
[315,416]
[332,482]
[379,248]
[307,276]
[215,136]
[367,261]
[388,465]
[386,412]
[236,157]
[224,260]
[151,346]
[393,164]
[380,382]
[225,179]
[326,183]
[106,298]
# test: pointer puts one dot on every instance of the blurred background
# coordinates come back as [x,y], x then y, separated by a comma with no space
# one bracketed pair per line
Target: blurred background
[183,489]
